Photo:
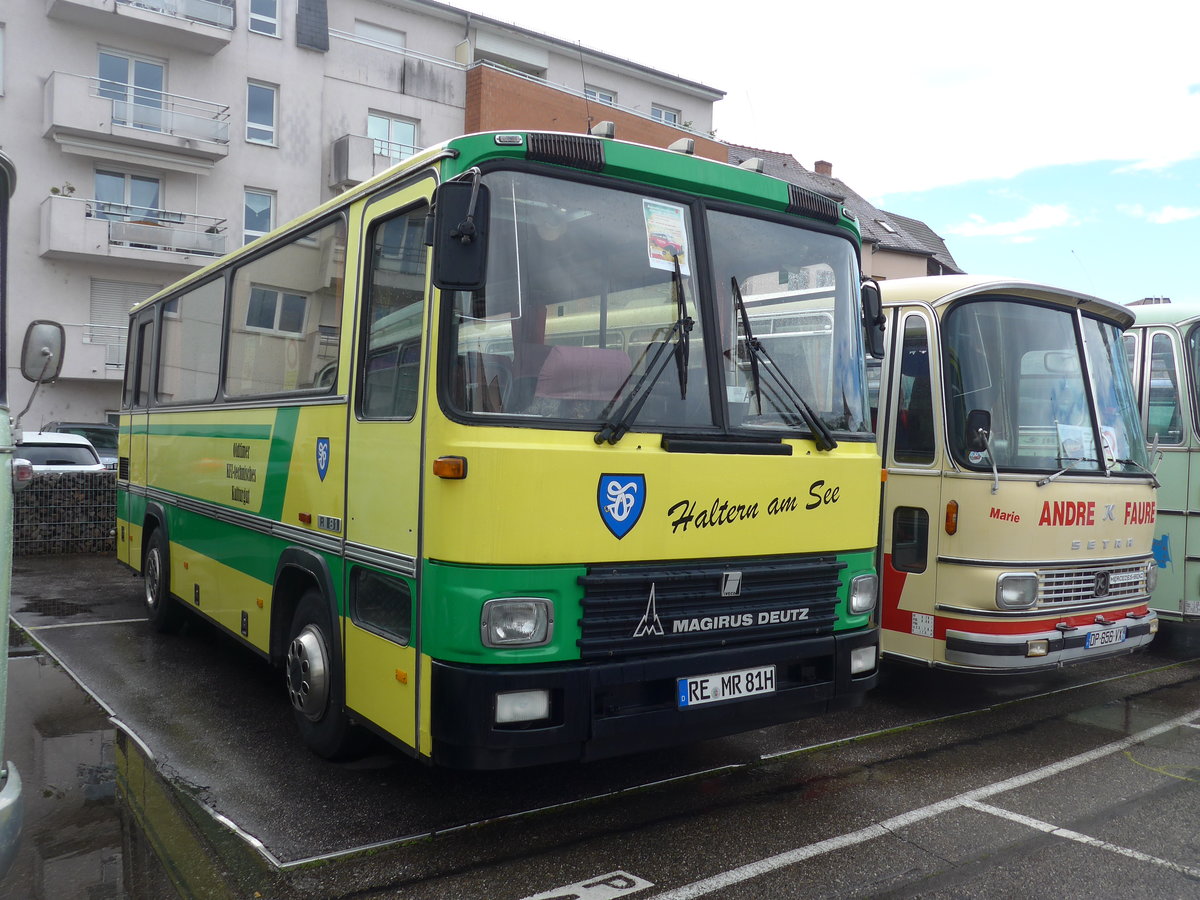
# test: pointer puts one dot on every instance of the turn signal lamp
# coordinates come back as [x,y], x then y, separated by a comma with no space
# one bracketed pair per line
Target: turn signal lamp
[450,467]
[952,517]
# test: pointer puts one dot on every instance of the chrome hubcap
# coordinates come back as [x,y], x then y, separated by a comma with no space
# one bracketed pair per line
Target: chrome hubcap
[152,573]
[308,673]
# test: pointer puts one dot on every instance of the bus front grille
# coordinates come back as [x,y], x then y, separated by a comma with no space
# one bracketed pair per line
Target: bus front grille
[1091,584]
[648,609]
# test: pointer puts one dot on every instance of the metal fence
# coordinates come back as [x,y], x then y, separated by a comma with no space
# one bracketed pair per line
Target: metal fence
[72,512]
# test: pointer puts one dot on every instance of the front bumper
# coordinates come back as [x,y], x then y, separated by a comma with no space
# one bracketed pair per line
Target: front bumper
[599,710]
[1010,652]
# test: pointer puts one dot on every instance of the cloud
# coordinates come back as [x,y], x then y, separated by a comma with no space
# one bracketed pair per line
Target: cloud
[1165,216]
[1039,218]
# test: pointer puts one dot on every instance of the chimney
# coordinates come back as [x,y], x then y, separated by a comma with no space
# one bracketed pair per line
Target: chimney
[821,167]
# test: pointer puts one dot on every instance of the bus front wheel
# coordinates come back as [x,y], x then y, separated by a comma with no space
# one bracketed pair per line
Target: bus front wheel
[162,610]
[314,683]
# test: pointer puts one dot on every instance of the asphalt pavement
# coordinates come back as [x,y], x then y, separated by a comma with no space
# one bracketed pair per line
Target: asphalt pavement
[170,762]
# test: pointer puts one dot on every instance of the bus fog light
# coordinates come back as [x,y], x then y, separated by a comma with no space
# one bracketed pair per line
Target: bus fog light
[862,659]
[1040,647]
[1016,590]
[1154,626]
[522,706]
[517,622]
[1151,576]
[863,589]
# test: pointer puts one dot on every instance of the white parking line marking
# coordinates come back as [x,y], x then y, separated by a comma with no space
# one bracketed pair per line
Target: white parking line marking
[1070,835]
[790,857]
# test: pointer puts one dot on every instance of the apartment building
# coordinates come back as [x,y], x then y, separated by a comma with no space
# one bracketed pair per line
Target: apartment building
[151,136]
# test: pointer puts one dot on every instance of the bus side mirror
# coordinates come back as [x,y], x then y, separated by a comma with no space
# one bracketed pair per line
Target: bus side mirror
[873,318]
[979,429]
[42,352]
[460,239]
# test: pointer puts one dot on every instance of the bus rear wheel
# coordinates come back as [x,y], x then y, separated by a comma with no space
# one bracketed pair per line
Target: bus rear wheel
[314,682]
[163,612]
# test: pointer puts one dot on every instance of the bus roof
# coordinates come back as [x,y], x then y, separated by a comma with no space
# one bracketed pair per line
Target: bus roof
[622,159]
[940,290]
[1172,313]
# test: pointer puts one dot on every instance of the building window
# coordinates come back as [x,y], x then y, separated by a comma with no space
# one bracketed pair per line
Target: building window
[395,138]
[264,17]
[258,215]
[603,95]
[275,309]
[261,103]
[664,114]
[135,87]
[378,34]
[130,198]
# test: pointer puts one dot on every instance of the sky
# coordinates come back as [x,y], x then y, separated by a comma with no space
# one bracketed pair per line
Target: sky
[1056,141]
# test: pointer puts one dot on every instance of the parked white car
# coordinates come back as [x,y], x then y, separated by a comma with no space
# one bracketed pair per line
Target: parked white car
[58,452]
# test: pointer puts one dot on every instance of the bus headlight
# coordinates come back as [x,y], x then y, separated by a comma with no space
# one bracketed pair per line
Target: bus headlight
[1151,576]
[517,622]
[863,589]
[1016,590]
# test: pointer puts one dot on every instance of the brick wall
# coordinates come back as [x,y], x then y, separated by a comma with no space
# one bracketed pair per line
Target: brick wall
[497,101]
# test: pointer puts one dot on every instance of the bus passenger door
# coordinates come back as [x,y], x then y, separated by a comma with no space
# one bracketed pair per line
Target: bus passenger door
[131,441]
[383,489]
[912,494]
[1166,418]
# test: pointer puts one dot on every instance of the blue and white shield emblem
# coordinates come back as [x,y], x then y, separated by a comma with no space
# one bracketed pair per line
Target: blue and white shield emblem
[322,457]
[621,499]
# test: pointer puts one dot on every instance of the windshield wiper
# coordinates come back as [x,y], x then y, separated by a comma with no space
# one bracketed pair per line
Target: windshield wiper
[1075,460]
[676,342]
[780,386]
[1133,462]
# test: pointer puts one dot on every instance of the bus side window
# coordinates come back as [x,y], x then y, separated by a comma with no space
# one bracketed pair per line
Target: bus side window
[394,313]
[914,406]
[1164,419]
[910,539]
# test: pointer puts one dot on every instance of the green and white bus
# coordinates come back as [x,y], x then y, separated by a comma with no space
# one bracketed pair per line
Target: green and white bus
[1163,351]
[484,454]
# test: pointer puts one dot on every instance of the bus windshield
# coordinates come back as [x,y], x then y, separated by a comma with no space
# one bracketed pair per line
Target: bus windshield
[597,314]
[1058,397]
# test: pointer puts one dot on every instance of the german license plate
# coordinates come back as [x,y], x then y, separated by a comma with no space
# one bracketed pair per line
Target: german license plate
[1105,637]
[725,686]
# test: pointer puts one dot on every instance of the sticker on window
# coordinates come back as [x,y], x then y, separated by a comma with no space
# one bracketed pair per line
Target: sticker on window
[666,235]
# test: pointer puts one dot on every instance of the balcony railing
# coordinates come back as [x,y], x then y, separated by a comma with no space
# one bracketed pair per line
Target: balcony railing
[209,12]
[173,114]
[355,157]
[159,229]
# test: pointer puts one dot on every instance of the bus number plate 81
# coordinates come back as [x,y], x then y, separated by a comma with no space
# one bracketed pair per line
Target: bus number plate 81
[725,686]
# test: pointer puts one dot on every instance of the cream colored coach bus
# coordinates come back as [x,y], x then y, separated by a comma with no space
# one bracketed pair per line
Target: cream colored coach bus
[1018,513]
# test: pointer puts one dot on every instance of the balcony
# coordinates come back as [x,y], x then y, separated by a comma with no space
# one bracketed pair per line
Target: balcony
[94,351]
[354,158]
[105,119]
[203,26]
[81,229]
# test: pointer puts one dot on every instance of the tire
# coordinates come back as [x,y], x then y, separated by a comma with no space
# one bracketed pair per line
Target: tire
[315,682]
[163,610]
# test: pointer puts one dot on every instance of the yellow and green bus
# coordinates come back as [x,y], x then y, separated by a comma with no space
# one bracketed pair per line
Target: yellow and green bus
[485,455]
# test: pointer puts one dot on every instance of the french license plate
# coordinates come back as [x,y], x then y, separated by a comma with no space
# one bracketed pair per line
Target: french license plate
[725,686]
[1105,637]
